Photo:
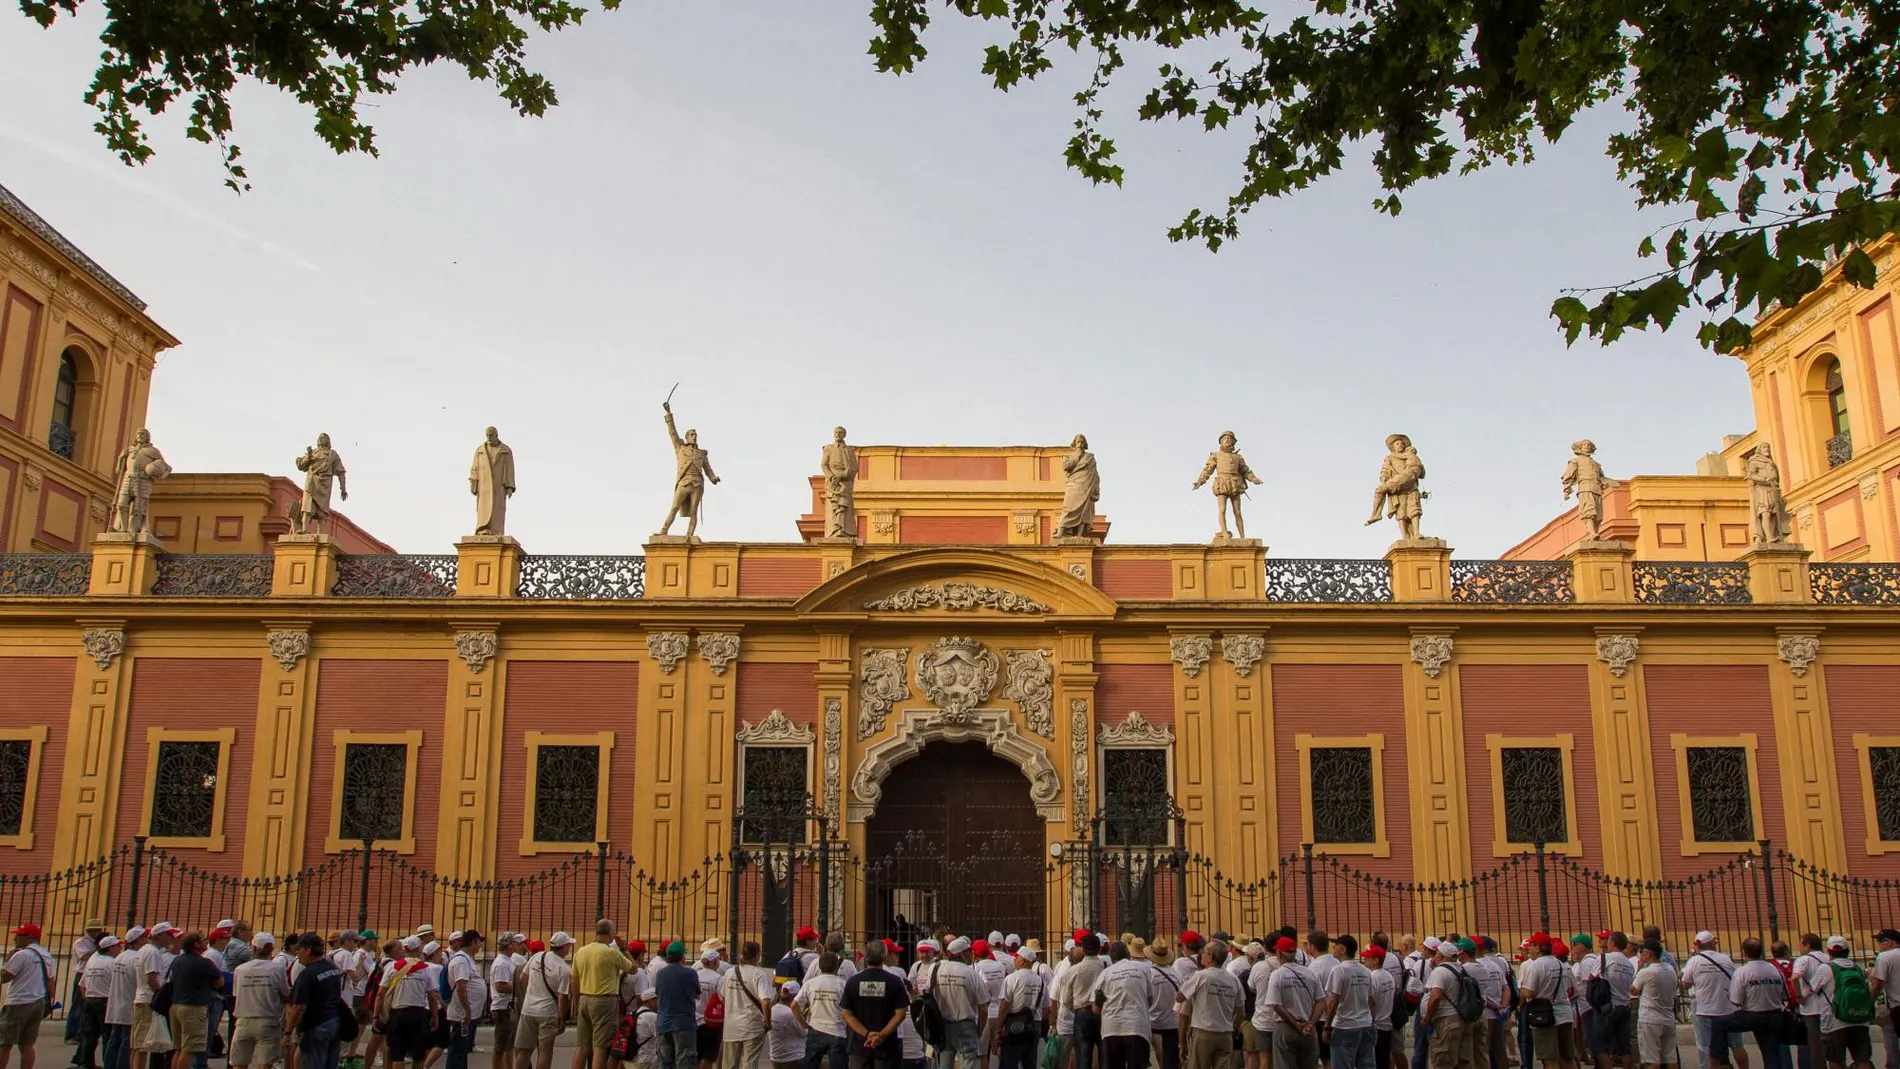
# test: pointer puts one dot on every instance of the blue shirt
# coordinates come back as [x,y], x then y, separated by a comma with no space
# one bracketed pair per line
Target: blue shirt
[678,991]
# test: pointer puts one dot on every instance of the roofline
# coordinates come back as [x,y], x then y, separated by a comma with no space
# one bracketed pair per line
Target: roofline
[11,204]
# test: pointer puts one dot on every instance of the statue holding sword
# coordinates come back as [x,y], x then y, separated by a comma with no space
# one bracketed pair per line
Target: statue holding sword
[691,471]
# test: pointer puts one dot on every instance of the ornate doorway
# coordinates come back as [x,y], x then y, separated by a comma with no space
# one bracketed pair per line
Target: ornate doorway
[956,840]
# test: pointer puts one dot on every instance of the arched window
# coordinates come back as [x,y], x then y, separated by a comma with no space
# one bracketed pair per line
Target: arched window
[1840,447]
[60,437]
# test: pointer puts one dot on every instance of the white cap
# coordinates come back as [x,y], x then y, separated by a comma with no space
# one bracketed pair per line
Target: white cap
[1431,942]
[790,987]
[263,939]
[225,923]
[455,937]
[107,942]
[709,956]
[959,945]
[410,942]
[1026,953]
[134,933]
[1837,942]
[559,940]
[1705,938]
[1012,940]
[930,945]
[162,928]
[996,937]
[430,947]
[1255,949]
[1068,945]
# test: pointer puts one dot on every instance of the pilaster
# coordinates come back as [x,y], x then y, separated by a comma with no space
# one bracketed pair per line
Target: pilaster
[95,745]
[487,566]
[835,752]
[1778,574]
[1243,736]
[1076,723]
[1421,569]
[303,566]
[1600,572]
[280,765]
[1804,744]
[1076,557]
[124,564]
[1619,716]
[1196,759]
[1434,736]
[471,754]
[660,729]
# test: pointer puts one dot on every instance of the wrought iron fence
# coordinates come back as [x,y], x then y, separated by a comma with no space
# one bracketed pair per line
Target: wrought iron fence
[1337,581]
[1690,582]
[583,578]
[1840,449]
[1850,584]
[61,439]
[395,575]
[45,575]
[1520,582]
[213,575]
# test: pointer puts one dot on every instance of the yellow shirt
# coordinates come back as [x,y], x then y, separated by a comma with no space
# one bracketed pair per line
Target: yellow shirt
[597,969]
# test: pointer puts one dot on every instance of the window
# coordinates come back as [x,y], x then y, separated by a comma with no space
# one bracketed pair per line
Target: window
[1840,447]
[566,806]
[775,800]
[375,787]
[185,777]
[1879,761]
[1342,793]
[19,782]
[1531,799]
[1137,807]
[373,790]
[1717,789]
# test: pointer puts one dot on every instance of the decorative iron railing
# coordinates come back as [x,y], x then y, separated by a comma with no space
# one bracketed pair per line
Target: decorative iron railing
[1315,580]
[1840,449]
[395,575]
[1690,582]
[1855,584]
[213,575]
[60,439]
[45,574]
[1517,582]
[582,578]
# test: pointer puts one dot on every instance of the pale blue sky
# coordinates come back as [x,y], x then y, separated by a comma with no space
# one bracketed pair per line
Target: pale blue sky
[730,196]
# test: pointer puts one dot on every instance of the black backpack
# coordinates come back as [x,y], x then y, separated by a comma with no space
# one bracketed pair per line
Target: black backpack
[928,1015]
[1469,1001]
[1597,991]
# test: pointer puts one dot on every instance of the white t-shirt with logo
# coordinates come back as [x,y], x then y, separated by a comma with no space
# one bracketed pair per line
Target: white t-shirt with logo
[742,988]
[502,971]
[1125,990]
[1350,985]
[1550,977]
[1805,966]
[1655,985]
[27,982]
[1757,987]
[547,974]
[820,1000]
[1707,972]
[462,967]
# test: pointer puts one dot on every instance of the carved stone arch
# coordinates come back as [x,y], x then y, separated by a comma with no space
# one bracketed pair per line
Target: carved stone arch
[994,728]
[1044,592]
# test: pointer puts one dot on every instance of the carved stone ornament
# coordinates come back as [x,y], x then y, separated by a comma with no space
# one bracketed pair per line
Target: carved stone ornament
[1079,570]
[1617,651]
[667,648]
[477,648]
[1032,686]
[880,685]
[917,728]
[1243,652]
[884,521]
[104,644]
[956,597]
[719,650]
[1136,732]
[1025,522]
[1870,485]
[1079,758]
[834,755]
[1191,652]
[1432,653]
[99,510]
[288,647]
[1799,651]
[957,675]
[776,729]
[32,477]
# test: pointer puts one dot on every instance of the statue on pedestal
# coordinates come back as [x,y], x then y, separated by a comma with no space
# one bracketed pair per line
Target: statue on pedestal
[1231,476]
[839,465]
[691,471]
[139,466]
[321,466]
[1398,495]
[491,478]
[1767,509]
[1584,477]
[1082,487]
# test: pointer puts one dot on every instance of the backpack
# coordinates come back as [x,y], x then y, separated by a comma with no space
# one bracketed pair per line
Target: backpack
[1852,1001]
[1469,1001]
[627,1042]
[1597,991]
[715,1010]
[928,1015]
[790,967]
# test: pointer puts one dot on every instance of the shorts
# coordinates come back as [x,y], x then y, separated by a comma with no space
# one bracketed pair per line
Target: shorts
[596,1021]
[1259,1040]
[1450,1042]
[259,1041]
[1850,1044]
[711,1038]
[504,1021]
[1656,1041]
[188,1028]
[1610,1031]
[531,1032]
[20,1025]
[410,1036]
[1558,1043]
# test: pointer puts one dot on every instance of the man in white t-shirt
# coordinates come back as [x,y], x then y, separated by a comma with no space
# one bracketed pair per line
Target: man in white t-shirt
[1122,994]
[1809,1006]
[1385,989]
[262,990]
[1706,972]
[1654,991]
[1025,997]
[468,998]
[1844,1044]
[989,976]
[1451,1034]
[747,992]
[1349,1008]
[1260,1024]
[1212,1000]
[544,981]
[501,994]
[818,1005]
[1884,978]
[1294,1000]
[29,995]
[1547,976]
[1759,994]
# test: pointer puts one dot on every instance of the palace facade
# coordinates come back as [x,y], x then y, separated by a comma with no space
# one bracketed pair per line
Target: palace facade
[956,680]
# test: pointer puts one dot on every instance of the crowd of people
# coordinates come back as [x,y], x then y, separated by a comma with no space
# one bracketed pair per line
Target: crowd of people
[179,999]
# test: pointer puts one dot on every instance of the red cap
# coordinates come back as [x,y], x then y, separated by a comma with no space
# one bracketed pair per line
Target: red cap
[807,932]
[1375,952]
[1081,934]
[893,946]
[220,933]
[28,929]
[1191,938]
[1602,935]
[1285,944]
[1560,948]
[536,946]
[1541,939]
[636,947]
[981,948]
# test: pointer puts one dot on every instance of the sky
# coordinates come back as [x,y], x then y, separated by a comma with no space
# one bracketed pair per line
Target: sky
[730,198]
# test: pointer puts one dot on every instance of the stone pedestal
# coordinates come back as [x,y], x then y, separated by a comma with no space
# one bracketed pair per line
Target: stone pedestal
[305,566]
[1600,571]
[1076,556]
[124,565]
[487,566]
[1236,570]
[1421,569]
[1777,574]
[836,556]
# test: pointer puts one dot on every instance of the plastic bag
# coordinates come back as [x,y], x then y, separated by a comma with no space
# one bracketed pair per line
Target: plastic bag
[158,1036]
[1051,1051]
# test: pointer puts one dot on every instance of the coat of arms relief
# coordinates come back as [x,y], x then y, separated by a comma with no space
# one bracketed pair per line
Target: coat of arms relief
[957,675]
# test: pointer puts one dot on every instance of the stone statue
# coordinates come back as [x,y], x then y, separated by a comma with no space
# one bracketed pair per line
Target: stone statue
[1231,476]
[839,465]
[1767,510]
[320,465]
[138,467]
[691,470]
[1584,477]
[491,478]
[1081,489]
[1398,495]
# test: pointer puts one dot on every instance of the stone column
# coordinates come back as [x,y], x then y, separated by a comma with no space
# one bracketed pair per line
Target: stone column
[1600,571]
[1076,724]
[1778,574]
[471,755]
[1421,569]
[835,754]
[280,765]
[487,566]
[1619,716]
[303,566]
[1435,765]
[124,564]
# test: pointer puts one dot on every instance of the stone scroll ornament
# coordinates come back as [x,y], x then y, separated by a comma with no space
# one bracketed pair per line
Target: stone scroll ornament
[1032,686]
[104,645]
[834,755]
[957,675]
[956,597]
[1243,652]
[881,685]
[667,648]
[775,729]
[719,651]
[1191,652]
[1617,651]
[288,647]
[477,648]
[1431,653]
[1079,750]
[1799,651]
